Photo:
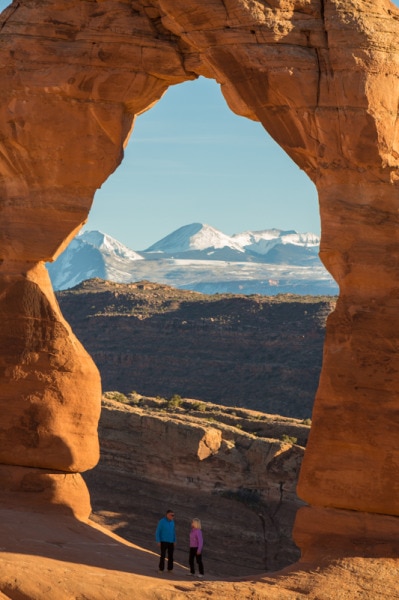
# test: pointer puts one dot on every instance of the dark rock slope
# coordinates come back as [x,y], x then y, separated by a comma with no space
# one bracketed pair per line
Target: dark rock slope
[258,352]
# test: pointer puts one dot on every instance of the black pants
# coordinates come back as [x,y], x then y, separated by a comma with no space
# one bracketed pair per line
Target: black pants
[193,554]
[166,548]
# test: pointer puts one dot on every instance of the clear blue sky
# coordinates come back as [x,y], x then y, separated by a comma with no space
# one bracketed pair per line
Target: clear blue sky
[190,159]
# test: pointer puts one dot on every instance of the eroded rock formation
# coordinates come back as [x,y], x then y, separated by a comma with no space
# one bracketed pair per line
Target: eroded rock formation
[322,77]
[219,462]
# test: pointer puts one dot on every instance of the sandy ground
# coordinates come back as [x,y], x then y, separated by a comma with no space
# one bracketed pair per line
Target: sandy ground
[56,557]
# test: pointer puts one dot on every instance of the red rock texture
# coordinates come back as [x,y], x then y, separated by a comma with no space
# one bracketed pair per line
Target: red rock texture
[33,489]
[46,556]
[321,76]
[48,383]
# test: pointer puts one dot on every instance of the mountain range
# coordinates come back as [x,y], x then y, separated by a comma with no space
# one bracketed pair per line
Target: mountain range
[201,258]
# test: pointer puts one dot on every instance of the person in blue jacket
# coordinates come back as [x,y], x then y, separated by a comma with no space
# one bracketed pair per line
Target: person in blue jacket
[165,536]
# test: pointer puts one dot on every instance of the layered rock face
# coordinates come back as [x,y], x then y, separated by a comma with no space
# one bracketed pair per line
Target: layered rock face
[213,463]
[321,76]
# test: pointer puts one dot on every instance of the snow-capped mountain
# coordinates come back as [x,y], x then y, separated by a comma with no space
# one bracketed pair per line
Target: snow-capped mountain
[196,238]
[262,242]
[201,258]
[92,254]
[204,242]
[107,245]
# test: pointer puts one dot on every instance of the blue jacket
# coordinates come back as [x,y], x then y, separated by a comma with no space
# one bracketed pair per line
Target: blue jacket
[165,531]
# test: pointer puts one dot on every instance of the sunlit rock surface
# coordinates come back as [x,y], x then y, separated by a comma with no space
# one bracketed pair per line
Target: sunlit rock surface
[321,76]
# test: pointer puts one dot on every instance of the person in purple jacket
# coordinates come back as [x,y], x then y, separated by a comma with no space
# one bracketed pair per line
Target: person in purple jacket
[196,544]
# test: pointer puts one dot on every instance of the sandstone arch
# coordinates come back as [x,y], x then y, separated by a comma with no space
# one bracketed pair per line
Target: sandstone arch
[322,77]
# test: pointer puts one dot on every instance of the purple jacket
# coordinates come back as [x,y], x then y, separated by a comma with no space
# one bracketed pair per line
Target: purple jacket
[196,539]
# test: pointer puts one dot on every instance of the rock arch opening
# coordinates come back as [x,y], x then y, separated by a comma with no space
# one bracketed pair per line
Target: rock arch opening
[189,153]
[322,78]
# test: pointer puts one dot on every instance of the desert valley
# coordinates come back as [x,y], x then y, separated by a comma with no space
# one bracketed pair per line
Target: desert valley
[256,351]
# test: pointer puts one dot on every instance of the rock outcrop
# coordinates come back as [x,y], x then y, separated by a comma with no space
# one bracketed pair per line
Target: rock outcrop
[209,461]
[49,396]
[321,76]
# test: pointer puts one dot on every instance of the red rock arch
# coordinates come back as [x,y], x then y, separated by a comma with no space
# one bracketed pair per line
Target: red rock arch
[321,76]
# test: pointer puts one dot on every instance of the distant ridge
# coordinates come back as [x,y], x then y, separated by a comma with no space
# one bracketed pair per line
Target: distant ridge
[207,243]
[201,258]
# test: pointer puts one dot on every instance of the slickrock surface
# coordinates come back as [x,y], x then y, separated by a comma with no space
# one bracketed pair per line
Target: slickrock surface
[321,76]
[59,558]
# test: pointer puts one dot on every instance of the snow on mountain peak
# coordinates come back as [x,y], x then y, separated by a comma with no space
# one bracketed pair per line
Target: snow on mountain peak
[308,240]
[194,237]
[108,245]
[261,242]
[200,237]
[201,258]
